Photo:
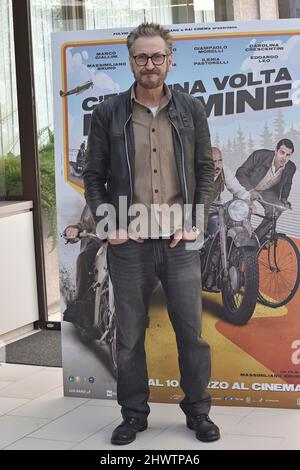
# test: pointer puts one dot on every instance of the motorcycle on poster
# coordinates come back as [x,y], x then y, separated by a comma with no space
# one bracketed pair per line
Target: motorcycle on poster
[248,79]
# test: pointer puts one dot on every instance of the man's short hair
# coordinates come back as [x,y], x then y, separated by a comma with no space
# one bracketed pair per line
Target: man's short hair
[287,143]
[149,30]
[216,149]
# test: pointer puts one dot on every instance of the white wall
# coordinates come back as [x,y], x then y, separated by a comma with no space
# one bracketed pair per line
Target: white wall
[18,290]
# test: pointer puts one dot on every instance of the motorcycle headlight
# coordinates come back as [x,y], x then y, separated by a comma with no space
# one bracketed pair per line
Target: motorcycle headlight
[238,210]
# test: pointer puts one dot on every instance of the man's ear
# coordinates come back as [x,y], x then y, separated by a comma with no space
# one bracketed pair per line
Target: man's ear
[131,59]
[170,61]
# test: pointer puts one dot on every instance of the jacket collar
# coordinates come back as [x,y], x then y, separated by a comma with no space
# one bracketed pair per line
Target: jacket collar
[267,162]
[167,94]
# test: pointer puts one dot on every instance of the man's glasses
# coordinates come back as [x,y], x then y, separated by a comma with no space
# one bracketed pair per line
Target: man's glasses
[142,59]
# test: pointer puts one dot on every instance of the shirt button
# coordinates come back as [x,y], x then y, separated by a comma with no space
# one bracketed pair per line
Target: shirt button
[155,171]
[156,191]
[153,130]
[154,150]
[148,111]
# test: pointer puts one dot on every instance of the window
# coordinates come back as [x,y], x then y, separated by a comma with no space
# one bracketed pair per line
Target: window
[223,10]
[289,8]
[10,161]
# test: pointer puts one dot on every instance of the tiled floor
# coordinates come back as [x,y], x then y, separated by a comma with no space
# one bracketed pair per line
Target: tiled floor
[34,414]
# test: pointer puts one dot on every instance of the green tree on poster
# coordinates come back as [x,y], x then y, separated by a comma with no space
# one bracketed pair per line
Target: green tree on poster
[294,135]
[241,147]
[229,148]
[266,140]
[250,145]
[217,140]
[279,127]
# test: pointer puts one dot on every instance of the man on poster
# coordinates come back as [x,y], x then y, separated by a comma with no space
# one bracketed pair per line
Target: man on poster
[268,176]
[225,178]
[153,146]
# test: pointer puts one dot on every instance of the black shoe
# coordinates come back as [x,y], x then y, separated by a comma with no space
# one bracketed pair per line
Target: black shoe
[214,289]
[206,430]
[127,430]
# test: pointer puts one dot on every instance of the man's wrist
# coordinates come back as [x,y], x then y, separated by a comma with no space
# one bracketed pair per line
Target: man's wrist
[196,230]
[117,233]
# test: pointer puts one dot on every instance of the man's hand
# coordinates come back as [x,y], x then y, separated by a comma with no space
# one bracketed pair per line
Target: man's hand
[190,235]
[135,238]
[255,195]
[117,237]
[286,203]
[71,233]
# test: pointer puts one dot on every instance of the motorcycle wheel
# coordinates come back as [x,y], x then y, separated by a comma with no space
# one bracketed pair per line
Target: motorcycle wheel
[239,292]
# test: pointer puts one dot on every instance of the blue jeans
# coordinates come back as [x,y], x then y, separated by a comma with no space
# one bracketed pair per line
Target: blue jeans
[134,268]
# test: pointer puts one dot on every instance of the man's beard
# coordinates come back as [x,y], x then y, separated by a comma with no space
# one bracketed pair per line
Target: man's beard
[150,85]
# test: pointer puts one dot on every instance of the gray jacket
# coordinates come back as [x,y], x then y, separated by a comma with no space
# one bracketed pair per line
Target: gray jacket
[255,168]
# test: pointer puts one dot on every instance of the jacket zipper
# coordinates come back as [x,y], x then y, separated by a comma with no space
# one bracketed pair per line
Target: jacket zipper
[182,160]
[127,157]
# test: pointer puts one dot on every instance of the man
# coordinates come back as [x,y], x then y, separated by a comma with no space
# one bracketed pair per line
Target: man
[80,158]
[268,175]
[88,251]
[153,146]
[225,178]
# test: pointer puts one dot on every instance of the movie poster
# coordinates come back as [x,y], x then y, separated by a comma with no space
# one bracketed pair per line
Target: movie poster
[248,78]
